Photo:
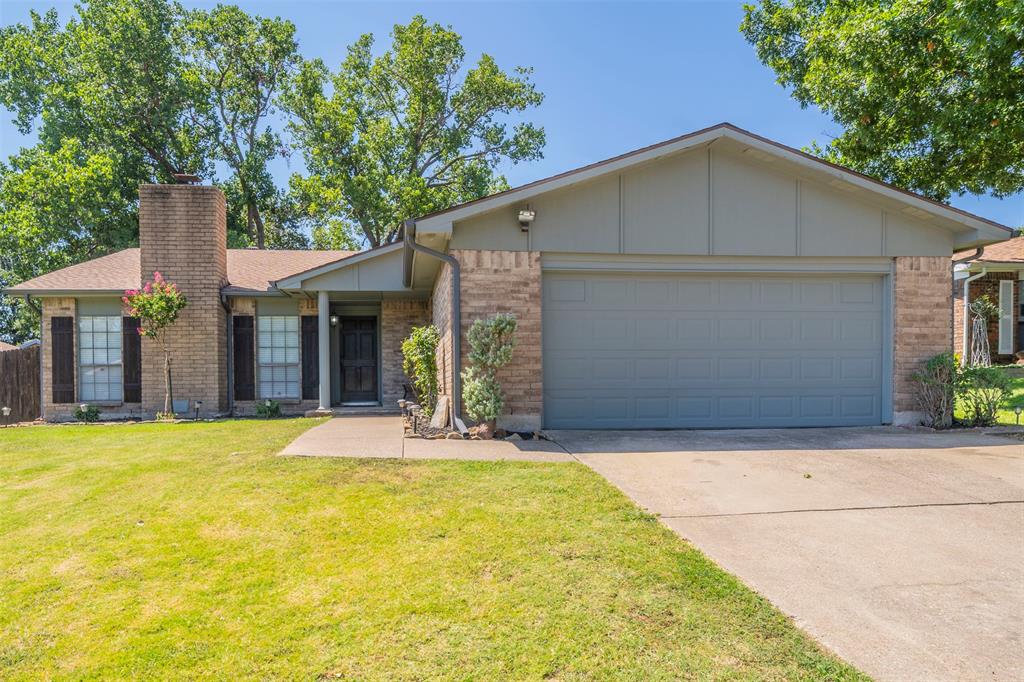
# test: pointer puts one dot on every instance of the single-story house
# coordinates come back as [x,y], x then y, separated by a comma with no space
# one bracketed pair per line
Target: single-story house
[718,279]
[7,346]
[996,271]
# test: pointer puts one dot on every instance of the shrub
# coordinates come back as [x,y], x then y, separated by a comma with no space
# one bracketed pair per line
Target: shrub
[937,384]
[482,394]
[419,362]
[491,342]
[268,409]
[984,389]
[89,414]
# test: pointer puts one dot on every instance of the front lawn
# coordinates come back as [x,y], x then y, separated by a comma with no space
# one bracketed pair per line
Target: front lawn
[1015,399]
[192,551]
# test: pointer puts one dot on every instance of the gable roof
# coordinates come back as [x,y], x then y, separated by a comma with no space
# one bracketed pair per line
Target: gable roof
[250,271]
[441,221]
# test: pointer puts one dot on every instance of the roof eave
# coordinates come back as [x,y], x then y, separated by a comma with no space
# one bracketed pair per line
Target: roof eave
[442,221]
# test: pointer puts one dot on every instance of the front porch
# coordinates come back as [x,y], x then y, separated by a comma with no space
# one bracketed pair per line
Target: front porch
[352,350]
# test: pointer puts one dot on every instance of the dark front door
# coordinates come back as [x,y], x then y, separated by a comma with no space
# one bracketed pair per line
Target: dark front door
[358,359]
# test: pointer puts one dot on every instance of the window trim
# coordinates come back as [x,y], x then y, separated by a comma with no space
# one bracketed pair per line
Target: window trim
[258,393]
[80,366]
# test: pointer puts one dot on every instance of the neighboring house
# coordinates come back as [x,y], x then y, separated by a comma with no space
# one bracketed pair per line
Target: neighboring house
[7,346]
[718,279]
[996,272]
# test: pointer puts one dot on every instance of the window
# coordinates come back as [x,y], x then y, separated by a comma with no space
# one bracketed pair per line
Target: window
[99,358]
[278,355]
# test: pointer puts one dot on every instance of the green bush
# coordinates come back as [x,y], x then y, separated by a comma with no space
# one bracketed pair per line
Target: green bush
[983,390]
[482,394]
[268,409]
[937,385]
[491,342]
[90,414]
[419,362]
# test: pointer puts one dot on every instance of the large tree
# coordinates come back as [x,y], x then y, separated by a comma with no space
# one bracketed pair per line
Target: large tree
[238,64]
[127,92]
[393,136]
[929,93]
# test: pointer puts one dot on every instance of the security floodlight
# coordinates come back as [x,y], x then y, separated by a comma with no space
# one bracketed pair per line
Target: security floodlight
[526,217]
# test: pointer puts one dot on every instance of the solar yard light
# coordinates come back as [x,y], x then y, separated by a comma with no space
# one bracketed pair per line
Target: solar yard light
[199,403]
[7,413]
[1017,410]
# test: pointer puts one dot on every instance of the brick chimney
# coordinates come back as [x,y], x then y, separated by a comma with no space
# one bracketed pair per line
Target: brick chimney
[183,236]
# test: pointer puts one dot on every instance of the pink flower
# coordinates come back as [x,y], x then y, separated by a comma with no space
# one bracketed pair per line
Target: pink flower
[148,288]
[157,276]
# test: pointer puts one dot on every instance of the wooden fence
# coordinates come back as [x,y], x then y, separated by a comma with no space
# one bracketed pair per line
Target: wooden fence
[19,383]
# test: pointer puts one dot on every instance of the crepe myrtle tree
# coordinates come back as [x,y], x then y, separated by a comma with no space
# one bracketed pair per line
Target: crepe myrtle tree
[157,305]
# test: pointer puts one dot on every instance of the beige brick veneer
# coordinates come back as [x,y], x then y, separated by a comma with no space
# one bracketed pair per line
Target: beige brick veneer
[183,235]
[506,282]
[441,317]
[922,292]
[397,318]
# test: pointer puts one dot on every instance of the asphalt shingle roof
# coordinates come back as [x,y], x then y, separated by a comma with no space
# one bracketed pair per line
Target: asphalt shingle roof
[1010,251]
[249,271]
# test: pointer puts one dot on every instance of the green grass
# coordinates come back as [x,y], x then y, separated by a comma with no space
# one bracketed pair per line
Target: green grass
[1015,399]
[190,551]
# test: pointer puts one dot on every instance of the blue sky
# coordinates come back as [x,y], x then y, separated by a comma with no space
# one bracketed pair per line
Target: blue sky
[616,76]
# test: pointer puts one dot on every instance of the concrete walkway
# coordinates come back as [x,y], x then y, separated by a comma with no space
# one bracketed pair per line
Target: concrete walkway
[381,437]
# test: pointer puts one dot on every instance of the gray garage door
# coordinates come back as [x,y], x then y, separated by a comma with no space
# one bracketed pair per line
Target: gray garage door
[653,351]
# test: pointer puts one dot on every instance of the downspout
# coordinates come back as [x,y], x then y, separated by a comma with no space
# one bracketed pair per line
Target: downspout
[456,322]
[42,380]
[229,335]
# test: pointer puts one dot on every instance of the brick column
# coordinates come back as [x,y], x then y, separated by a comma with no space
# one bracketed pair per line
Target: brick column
[508,282]
[923,325]
[183,235]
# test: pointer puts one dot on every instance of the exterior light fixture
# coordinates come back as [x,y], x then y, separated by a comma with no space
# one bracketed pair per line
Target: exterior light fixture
[334,320]
[83,407]
[1017,410]
[526,217]
[199,403]
[267,403]
[7,414]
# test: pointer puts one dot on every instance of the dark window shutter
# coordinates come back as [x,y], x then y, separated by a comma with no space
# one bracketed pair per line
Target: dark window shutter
[243,349]
[62,349]
[131,354]
[310,345]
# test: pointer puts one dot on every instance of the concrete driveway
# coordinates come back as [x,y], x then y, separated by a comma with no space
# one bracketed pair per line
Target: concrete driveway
[901,551]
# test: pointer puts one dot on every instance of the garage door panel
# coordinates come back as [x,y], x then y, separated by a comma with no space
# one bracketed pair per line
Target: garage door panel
[642,351]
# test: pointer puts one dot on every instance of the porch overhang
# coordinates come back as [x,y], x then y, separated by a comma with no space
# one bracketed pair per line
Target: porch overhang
[370,275]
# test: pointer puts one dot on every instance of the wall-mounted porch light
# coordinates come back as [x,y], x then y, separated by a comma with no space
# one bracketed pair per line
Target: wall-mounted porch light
[334,320]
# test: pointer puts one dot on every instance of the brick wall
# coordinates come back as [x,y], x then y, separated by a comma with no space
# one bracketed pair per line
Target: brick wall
[67,307]
[985,286]
[441,317]
[183,235]
[508,282]
[397,318]
[922,292]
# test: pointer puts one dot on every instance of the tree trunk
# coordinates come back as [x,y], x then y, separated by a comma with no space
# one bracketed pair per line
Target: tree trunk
[168,400]
[256,220]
